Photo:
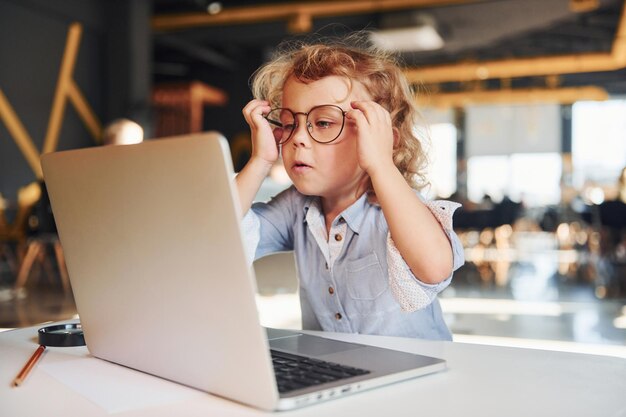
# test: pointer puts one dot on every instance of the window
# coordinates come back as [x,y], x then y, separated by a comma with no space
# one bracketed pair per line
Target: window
[487,175]
[442,160]
[514,151]
[598,143]
[535,178]
[532,178]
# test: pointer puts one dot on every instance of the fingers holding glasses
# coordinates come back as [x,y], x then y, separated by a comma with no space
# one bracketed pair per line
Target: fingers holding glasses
[253,113]
[264,144]
[374,132]
[374,112]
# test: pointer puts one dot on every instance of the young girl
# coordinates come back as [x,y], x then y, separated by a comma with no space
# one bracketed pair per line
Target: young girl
[371,255]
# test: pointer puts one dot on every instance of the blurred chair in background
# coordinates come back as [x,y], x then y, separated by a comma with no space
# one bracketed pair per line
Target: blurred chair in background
[180,106]
[611,260]
[7,255]
[276,274]
[13,233]
[277,286]
[40,237]
[621,186]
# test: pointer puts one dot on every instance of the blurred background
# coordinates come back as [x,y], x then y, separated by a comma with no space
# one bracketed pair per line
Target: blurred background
[523,101]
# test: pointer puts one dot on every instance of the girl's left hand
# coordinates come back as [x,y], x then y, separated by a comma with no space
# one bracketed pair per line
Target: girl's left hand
[374,134]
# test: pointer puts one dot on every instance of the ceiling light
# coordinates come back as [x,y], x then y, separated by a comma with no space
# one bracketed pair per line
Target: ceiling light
[214,7]
[419,38]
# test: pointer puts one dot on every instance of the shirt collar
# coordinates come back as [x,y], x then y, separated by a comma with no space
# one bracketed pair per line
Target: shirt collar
[353,215]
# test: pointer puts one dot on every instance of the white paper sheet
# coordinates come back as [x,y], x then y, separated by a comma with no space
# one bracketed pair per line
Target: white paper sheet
[116,388]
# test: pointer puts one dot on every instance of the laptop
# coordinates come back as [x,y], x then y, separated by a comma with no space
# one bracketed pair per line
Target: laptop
[156,258]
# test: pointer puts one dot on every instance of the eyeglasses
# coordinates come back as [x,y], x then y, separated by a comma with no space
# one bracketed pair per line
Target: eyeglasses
[323,123]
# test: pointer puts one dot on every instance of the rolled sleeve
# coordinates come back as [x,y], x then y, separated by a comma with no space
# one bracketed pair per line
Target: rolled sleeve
[411,293]
[443,211]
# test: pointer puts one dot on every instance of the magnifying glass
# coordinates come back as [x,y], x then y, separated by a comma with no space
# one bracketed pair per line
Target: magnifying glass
[59,335]
[62,335]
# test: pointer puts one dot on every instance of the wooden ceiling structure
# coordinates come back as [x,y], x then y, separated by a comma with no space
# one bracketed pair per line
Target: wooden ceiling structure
[538,66]
[298,15]
[478,81]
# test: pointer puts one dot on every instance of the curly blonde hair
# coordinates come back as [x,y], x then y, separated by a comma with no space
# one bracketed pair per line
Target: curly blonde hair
[354,58]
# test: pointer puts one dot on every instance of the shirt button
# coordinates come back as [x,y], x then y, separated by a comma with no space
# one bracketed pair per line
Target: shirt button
[338,237]
[326,265]
[331,290]
[338,316]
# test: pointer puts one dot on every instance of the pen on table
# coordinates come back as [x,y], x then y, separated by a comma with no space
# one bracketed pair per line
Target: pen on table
[29,365]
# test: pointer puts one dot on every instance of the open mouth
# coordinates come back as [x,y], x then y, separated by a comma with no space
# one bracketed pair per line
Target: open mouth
[300,164]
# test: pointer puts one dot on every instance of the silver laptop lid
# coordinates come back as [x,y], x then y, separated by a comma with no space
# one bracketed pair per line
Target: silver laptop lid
[140,227]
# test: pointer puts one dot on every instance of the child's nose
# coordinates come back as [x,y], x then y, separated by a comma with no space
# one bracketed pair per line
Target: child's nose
[301,134]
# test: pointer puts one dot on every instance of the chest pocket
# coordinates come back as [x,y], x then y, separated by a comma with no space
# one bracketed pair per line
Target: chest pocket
[365,278]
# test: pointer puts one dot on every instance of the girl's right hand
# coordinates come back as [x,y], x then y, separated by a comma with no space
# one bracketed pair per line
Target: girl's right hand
[264,146]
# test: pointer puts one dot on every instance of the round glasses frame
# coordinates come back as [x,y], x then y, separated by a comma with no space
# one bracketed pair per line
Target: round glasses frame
[309,126]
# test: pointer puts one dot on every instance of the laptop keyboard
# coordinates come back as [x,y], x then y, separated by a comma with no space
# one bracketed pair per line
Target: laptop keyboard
[295,372]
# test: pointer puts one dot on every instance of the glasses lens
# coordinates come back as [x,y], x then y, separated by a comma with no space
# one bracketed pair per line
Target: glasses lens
[326,123]
[282,122]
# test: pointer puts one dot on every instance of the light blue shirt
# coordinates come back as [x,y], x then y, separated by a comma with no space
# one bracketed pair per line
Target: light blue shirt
[348,283]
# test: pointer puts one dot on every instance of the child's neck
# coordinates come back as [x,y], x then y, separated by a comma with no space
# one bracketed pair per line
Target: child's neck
[334,204]
[332,207]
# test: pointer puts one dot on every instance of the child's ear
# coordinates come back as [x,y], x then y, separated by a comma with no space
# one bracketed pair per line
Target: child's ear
[396,137]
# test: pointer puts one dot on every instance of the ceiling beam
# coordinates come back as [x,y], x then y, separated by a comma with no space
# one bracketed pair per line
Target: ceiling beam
[528,67]
[297,14]
[200,52]
[508,96]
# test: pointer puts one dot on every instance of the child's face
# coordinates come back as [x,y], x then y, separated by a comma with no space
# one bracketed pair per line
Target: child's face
[330,170]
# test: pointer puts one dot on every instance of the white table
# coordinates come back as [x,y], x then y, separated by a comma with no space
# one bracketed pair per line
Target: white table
[481,381]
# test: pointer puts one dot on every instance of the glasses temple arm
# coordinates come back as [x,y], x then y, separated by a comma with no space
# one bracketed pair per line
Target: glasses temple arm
[275,123]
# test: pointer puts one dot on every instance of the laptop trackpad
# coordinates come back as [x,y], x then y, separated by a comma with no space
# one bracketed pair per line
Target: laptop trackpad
[302,344]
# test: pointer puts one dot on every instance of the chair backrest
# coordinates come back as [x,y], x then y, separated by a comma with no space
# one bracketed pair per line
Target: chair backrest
[4,225]
[613,214]
[27,197]
[276,273]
